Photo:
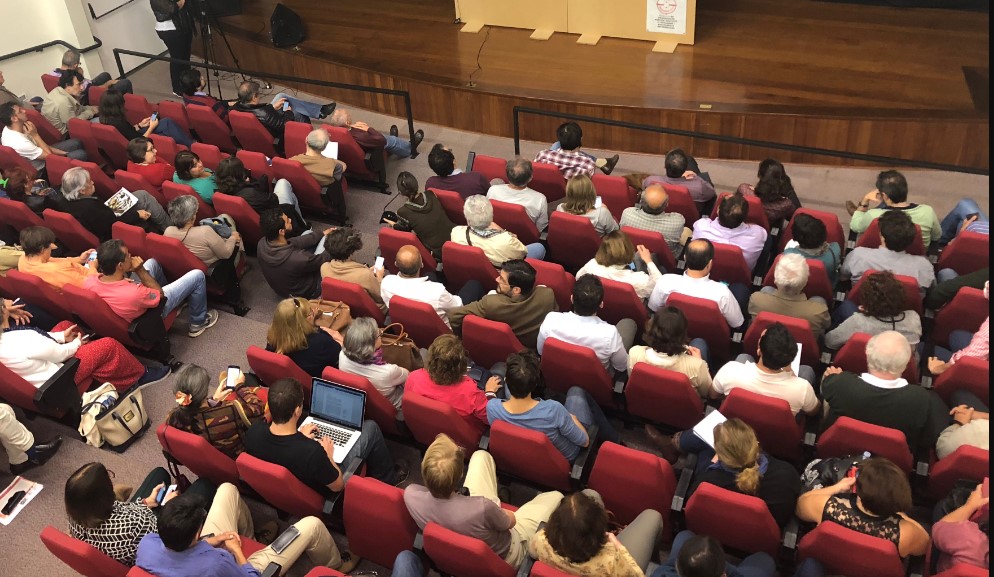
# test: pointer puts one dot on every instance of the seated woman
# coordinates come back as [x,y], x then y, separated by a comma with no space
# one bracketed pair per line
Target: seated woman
[876,507]
[444,379]
[964,344]
[293,333]
[422,214]
[341,244]
[882,308]
[362,354]
[963,535]
[810,236]
[36,355]
[615,260]
[111,112]
[37,194]
[666,340]
[191,172]
[142,160]
[774,190]
[581,199]
[234,179]
[101,515]
[738,463]
[575,539]
[222,417]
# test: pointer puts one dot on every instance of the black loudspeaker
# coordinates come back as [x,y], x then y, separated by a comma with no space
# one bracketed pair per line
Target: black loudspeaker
[286,27]
[221,7]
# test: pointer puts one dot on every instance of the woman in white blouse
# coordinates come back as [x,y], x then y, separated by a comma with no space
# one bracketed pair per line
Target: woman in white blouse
[615,261]
[362,354]
[581,199]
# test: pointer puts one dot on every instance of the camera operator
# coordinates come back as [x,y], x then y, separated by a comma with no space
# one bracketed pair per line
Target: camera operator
[174,25]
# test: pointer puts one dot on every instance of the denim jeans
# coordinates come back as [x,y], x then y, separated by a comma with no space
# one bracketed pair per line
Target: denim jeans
[952,222]
[958,340]
[535,250]
[284,192]
[407,564]
[167,127]
[741,293]
[702,345]
[304,107]
[372,449]
[755,565]
[580,404]
[397,146]
[191,287]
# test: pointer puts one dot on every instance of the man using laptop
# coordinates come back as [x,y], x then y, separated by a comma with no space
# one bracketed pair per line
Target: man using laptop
[310,458]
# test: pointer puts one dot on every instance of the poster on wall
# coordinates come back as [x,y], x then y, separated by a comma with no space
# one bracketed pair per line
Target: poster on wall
[667,16]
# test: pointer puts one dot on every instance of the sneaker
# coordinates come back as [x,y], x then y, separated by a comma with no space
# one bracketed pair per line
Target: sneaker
[197,330]
[153,375]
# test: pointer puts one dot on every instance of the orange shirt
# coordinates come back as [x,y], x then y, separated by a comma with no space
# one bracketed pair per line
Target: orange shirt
[57,271]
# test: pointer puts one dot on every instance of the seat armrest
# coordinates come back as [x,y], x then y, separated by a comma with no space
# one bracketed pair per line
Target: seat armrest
[272,570]
[526,567]
[581,460]
[419,543]
[59,394]
[790,533]
[470,161]
[485,440]
[683,485]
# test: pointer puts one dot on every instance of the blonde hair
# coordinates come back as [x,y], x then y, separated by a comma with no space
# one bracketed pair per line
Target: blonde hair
[581,196]
[290,327]
[616,248]
[442,467]
[736,445]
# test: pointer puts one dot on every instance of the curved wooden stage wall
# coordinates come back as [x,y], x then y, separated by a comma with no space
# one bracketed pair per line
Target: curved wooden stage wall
[874,80]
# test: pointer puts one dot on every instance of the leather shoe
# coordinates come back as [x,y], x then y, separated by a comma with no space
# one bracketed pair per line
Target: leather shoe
[662,442]
[850,207]
[401,471]
[349,562]
[328,109]
[38,455]
[610,164]
[393,130]
[419,135]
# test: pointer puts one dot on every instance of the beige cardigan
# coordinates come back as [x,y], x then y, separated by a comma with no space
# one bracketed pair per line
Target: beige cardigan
[358,273]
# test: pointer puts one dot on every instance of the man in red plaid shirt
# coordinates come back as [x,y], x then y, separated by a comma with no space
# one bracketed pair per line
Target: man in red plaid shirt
[568,157]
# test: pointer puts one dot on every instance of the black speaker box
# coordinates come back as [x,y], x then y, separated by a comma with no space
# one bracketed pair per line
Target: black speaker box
[221,7]
[286,27]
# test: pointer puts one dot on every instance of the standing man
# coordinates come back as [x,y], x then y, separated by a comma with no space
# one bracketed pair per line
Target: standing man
[174,25]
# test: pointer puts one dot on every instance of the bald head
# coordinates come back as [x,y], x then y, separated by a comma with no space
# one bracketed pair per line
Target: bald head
[699,253]
[408,261]
[655,199]
[887,354]
[340,117]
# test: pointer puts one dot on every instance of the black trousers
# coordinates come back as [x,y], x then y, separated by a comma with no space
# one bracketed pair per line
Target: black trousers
[179,43]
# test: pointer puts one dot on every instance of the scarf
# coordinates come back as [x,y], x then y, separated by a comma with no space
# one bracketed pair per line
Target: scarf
[377,358]
[485,232]
[763,461]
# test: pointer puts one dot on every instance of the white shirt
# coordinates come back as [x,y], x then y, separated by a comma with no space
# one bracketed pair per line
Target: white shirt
[591,332]
[24,146]
[704,288]
[642,282]
[783,385]
[422,290]
[535,203]
[34,357]
[388,379]
[884,383]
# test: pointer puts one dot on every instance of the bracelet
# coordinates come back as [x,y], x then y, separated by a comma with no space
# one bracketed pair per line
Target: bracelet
[490,394]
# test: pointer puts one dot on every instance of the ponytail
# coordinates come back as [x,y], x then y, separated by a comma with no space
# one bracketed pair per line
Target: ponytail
[737,448]
[747,480]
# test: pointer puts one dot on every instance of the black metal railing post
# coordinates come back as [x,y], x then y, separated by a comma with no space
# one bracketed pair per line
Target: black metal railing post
[96,44]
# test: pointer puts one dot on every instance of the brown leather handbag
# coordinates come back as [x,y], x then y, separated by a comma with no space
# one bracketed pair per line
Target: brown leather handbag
[334,315]
[399,349]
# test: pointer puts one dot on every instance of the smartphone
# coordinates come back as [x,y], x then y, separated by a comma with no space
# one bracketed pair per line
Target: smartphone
[972,215]
[92,257]
[379,263]
[285,538]
[88,336]
[154,116]
[163,493]
[853,473]
[598,202]
[233,372]
[286,106]
[13,502]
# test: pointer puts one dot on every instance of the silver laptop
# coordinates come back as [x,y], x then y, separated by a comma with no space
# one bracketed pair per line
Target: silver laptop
[338,411]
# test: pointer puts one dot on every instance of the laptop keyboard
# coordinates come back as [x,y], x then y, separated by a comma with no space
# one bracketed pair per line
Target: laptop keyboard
[339,436]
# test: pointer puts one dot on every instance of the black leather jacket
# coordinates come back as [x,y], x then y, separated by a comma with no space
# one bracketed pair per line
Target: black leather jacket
[273,121]
[168,10]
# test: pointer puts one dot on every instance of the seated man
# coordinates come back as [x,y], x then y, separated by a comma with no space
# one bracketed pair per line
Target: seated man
[62,102]
[771,375]
[22,135]
[38,243]
[695,282]
[193,83]
[326,171]
[517,302]
[650,214]
[447,177]
[370,139]
[566,155]
[192,541]
[482,232]
[516,191]
[897,232]
[788,298]
[681,170]
[95,216]
[891,194]
[566,424]
[409,284]
[275,120]
[23,453]
[965,216]
[702,556]
[70,61]
[307,455]
[880,396]
[584,328]
[7,96]
[292,266]
[130,299]
[731,228]
[473,509]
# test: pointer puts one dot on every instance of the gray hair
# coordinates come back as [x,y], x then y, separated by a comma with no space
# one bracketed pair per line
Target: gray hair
[791,274]
[74,180]
[182,210]
[888,352]
[340,117]
[317,139]
[193,380]
[519,171]
[478,211]
[70,59]
[360,340]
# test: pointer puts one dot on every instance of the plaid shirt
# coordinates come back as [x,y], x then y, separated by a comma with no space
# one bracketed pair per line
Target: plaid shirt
[668,224]
[569,162]
[980,345]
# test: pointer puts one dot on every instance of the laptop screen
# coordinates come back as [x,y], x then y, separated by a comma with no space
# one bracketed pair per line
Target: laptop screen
[337,403]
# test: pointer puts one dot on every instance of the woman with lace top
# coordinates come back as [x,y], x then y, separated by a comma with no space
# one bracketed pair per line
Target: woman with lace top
[774,190]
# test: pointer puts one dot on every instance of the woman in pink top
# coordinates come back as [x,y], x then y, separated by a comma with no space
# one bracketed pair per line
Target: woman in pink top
[445,380]
[962,536]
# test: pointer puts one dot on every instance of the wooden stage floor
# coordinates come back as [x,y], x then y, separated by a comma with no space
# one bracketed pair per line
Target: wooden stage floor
[870,79]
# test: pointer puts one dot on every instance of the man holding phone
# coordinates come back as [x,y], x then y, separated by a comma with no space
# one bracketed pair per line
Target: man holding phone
[274,115]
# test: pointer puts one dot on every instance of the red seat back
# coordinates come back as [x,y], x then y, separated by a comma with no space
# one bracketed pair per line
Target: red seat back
[818,283]
[36,291]
[133,182]
[378,407]
[742,522]
[136,108]
[83,130]
[631,481]
[175,111]
[211,129]
[18,215]
[255,163]
[757,214]
[969,373]
[94,93]
[295,138]
[800,329]
[566,365]
[463,263]
[355,296]
[490,167]
[351,153]
[391,240]
[166,148]
[614,193]
[49,81]
[427,418]
[9,158]
[173,190]
[832,226]
[174,257]
[514,218]
[452,205]
[488,342]
[46,130]
[729,265]
[209,154]
[555,277]
[912,296]
[112,144]
[966,462]
[540,569]
[81,557]
[871,239]
[56,166]
[656,244]
[529,455]
[778,431]
[852,358]
[548,179]
[305,188]
[622,302]
[246,219]
[106,187]
[680,201]
[271,367]
[864,555]
[572,240]
[251,134]
[68,230]
[461,556]
[968,252]
[420,320]
[848,436]
[961,313]
[663,396]
[377,523]
[279,487]
[198,455]
[704,320]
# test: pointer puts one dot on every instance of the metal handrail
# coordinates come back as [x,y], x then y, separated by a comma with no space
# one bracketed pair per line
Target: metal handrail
[274,76]
[112,10]
[884,160]
[96,44]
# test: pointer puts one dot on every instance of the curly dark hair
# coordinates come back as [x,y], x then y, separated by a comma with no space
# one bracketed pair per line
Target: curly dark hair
[666,331]
[882,295]
[447,362]
[343,243]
